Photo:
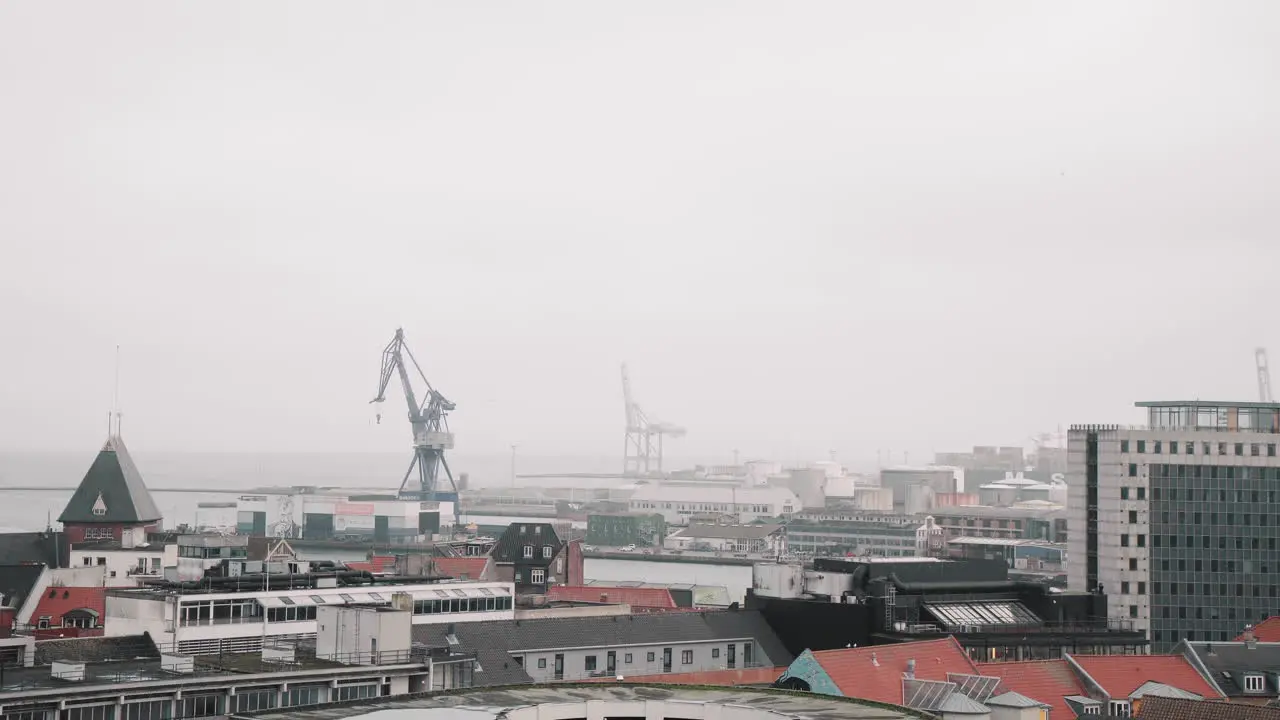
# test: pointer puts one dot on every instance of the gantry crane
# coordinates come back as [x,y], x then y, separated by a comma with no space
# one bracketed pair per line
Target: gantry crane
[642,449]
[1264,376]
[429,421]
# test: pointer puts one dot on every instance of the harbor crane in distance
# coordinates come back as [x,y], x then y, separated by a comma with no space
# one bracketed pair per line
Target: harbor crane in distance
[430,424]
[642,449]
[1264,376]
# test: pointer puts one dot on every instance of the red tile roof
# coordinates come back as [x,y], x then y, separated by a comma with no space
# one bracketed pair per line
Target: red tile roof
[375,564]
[634,596]
[1120,675]
[875,673]
[469,568]
[57,601]
[1266,631]
[721,678]
[1047,681]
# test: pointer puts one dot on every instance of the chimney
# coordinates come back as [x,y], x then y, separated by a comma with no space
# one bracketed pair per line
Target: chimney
[911,669]
[874,661]
[1250,640]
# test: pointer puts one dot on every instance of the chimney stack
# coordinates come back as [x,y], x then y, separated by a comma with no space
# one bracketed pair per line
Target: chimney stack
[874,661]
[911,669]
[1250,640]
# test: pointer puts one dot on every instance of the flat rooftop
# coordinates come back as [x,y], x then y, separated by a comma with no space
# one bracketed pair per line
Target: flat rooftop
[1207,404]
[495,703]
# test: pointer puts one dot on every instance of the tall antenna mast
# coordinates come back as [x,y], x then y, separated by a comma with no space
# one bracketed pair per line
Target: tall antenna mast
[115,400]
[1264,375]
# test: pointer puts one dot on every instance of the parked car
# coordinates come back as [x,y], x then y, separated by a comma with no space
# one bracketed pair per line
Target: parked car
[628,548]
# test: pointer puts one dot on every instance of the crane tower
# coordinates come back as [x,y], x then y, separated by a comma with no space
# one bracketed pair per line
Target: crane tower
[429,422]
[1264,376]
[642,448]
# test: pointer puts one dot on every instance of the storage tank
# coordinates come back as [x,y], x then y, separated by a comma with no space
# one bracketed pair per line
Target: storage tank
[777,580]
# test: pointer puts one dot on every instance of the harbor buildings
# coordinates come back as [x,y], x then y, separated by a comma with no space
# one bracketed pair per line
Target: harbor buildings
[1177,520]
[679,503]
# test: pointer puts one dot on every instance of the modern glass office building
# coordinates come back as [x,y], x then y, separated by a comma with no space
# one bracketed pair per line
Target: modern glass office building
[1178,520]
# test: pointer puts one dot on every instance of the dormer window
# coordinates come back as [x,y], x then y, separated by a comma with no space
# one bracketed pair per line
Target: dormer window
[1254,683]
[1120,708]
[528,551]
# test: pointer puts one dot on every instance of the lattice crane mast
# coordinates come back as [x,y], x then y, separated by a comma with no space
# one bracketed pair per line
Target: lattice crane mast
[428,420]
[1264,376]
[642,448]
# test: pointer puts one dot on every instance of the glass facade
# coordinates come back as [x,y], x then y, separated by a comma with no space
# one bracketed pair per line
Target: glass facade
[1215,564]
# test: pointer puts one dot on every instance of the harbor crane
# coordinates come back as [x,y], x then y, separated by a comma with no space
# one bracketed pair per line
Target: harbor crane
[429,421]
[642,449]
[1264,376]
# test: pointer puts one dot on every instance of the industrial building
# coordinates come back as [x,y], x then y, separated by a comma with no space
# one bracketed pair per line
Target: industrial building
[679,504]
[877,601]
[1176,521]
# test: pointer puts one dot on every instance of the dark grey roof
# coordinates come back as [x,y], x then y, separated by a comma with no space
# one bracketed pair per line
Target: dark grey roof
[510,547]
[115,479]
[46,547]
[17,582]
[495,640]
[1227,663]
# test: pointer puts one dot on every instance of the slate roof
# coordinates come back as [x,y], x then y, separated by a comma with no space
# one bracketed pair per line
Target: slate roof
[495,640]
[1047,681]
[115,479]
[1227,663]
[636,597]
[1163,708]
[50,548]
[510,547]
[17,582]
[1120,675]
[875,672]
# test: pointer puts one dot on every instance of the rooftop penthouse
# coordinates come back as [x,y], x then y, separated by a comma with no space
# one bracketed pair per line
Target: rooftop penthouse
[1209,415]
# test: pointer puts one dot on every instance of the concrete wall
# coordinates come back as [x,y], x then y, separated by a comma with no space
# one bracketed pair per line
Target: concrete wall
[704,656]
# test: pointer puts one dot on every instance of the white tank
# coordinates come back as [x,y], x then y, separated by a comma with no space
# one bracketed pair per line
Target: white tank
[777,580]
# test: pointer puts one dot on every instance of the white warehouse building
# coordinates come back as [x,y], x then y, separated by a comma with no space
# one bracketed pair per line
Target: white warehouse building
[679,503]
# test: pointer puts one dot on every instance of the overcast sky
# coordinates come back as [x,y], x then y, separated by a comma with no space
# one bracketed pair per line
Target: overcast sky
[806,226]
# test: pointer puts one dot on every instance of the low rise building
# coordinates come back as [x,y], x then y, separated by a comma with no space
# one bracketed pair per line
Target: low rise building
[758,539]
[578,648]
[837,538]
[534,558]
[677,503]
[239,614]
[620,529]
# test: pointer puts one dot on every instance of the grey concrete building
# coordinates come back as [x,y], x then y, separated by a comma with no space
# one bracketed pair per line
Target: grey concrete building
[1177,520]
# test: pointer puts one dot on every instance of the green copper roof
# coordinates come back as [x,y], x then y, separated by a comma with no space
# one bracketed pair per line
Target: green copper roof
[112,491]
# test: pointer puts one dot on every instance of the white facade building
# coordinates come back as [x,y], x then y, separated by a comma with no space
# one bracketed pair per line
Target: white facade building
[124,566]
[677,504]
[1176,521]
[208,622]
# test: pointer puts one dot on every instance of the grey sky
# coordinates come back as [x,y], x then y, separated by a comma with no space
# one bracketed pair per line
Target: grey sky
[805,225]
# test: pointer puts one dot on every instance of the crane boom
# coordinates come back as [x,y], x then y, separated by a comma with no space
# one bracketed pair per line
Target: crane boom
[428,421]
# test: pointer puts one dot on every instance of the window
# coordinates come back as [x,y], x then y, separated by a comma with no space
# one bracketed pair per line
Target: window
[1119,708]
[542,663]
[1124,588]
[1133,472]
[715,652]
[546,551]
[650,657]
[1133,517]
[1254,683]
[1142,541]
[1124,541]
[1133,563]
[590,663]
[1133,611]
[1091,710]
[1142,588]
[1142,446]
[528,551]
[1190,449]
[1124,446]
[537,576]
[1240,448]
[686,657]
[1142,493]
[627,658]
[1255,450]
[1271,449]
[1155,447]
